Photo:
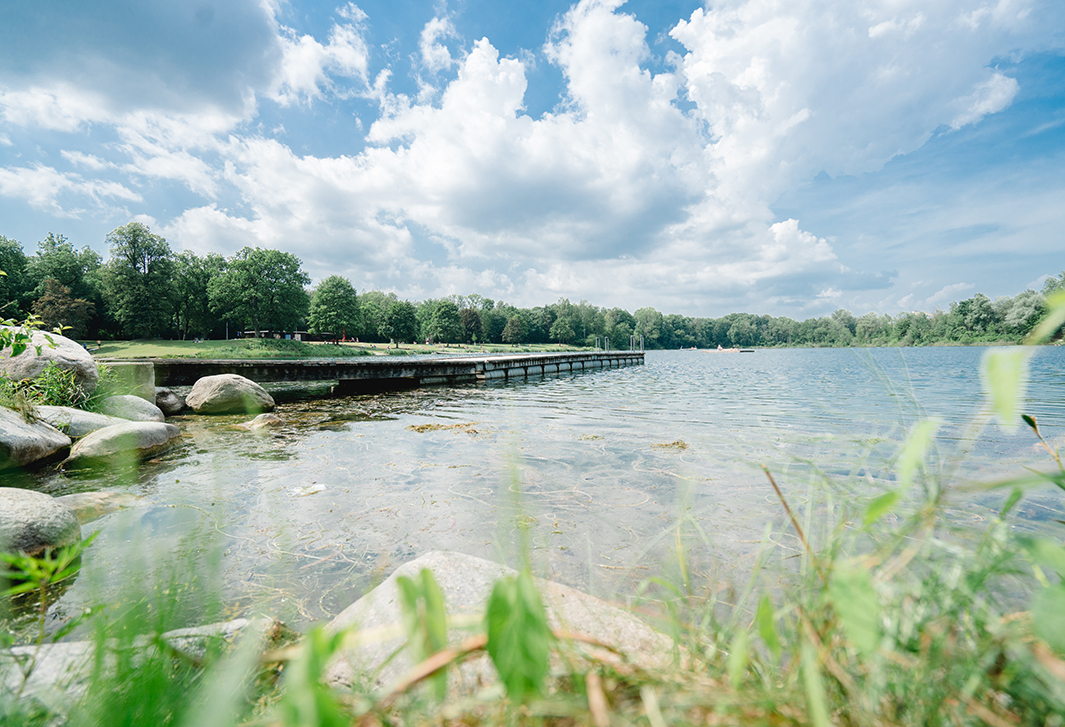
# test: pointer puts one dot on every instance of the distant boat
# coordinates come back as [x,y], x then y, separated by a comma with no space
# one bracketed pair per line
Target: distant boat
[728,350]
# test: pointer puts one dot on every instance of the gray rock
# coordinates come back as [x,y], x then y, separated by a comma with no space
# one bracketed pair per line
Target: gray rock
[228,394]
[466,582]
[22,443]
[134,377]
[75,423]
[88,506]
[122,443]
[66,354]
[169,402]
[131,408]
[32,521]
[263,421]
[64,671]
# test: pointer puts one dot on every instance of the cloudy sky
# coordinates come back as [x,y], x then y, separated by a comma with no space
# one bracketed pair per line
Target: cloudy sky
[774,156]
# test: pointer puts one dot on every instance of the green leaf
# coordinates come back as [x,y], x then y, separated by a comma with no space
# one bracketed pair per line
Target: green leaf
[519,639]
[1054,320]
[1005,374]
[1015,496]
[1048,616]
[424,621]
[307,701]
[739,651]
[881,506]
[20,588]
[1045,552]
[856,603]
[766,626]
[913,451]
[814,687]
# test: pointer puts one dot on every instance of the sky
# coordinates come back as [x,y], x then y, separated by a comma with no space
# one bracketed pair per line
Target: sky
[784,157]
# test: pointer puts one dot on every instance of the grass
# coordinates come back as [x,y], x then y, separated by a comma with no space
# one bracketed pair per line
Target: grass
[851,618]
[246,348]
[864,610]
[273,348]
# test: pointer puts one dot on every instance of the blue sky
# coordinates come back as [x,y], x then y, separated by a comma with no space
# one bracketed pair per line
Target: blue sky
[775,157]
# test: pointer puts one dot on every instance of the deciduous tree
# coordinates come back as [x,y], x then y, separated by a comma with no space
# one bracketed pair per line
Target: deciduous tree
[400,322]
[57,309]
[334,308]
[15,282]
[445,324]
[261,289]
[138,280]
[192,279]
[471,325]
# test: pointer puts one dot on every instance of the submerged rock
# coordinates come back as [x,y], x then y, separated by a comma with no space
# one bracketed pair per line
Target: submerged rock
[134,377]
[466,582]
[132,408]
[122,443]
[75,423]
[32,521]
[228,394]
[23,442]
[66,354]
[169,402]
[88,506]
[263,421]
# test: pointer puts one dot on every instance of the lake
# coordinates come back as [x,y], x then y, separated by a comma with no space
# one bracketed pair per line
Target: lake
[593,471]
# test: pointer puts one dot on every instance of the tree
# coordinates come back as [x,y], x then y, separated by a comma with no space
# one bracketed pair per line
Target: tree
[562,330]
[445,324]
[57,309]
[334,308]
[742,333]
[648,325]
[400,322]
[1052,285]
[516,330]
[15,282]
[137,280]
[261,289]
[471,325]
[79,270]
[493,321]
[1025,310]
[192,278]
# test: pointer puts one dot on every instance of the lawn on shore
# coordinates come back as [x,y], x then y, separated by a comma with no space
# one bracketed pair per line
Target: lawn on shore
[268,348]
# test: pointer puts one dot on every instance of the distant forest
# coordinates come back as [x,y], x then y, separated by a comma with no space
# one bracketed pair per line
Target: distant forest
[145,290]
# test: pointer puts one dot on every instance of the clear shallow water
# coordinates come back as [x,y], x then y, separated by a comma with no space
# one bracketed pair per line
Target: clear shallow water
[302,520]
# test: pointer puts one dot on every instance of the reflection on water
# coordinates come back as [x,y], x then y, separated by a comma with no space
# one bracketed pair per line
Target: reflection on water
[302,519]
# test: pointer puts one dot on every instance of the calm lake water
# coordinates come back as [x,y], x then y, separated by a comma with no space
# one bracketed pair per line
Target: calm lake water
[593,470]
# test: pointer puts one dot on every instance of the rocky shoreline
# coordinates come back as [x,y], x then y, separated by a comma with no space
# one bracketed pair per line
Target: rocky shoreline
[130,426]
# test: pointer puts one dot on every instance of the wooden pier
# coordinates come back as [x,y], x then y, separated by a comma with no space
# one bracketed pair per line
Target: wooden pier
[378,373]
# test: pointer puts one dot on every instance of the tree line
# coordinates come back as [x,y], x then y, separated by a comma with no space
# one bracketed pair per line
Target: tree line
[145,290]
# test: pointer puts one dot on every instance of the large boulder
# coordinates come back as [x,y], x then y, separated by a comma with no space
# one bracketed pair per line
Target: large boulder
[66,354]
[32,521]
[122,443]
[466,582]
[134,377]
[169,402]
[75,423]
[228,394]
[22,442]
[131,408]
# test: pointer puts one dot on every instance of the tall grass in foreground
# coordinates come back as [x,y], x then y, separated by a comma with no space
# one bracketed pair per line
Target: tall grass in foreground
[884,613]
